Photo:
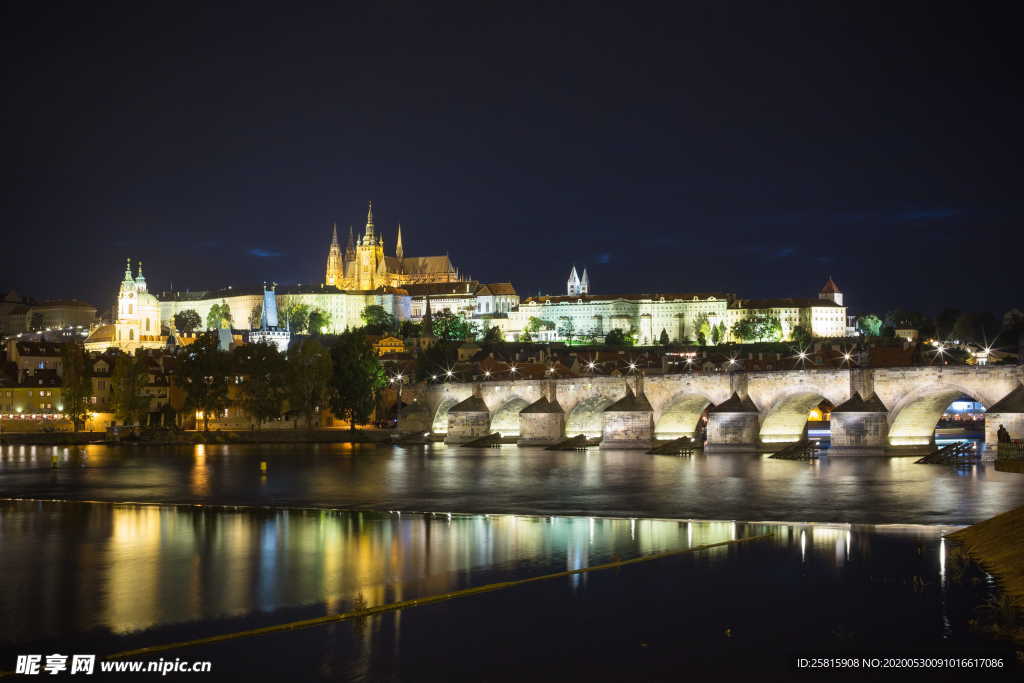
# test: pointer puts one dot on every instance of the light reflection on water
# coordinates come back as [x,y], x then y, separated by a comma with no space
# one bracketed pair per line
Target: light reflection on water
[75,567]
[510,480]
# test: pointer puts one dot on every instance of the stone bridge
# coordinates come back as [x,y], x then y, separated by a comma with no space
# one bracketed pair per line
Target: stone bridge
[875,408]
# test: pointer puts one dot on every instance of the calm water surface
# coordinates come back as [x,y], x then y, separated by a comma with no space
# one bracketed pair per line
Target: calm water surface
[98,577]
[514,480]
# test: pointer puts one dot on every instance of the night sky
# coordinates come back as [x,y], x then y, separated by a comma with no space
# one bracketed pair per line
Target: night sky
[753,148]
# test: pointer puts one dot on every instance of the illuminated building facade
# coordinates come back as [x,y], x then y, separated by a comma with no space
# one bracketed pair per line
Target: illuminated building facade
[138,324]
[679,316]
[363,266]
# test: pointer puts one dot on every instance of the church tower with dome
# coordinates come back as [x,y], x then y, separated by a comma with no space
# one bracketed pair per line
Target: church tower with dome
[138,318]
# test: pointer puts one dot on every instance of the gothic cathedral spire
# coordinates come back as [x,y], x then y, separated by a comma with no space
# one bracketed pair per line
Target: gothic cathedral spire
[368,237]
[399,251]
[335,270]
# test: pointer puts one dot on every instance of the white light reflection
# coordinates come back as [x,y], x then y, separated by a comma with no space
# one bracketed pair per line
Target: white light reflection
[942,561]
[632,529]
[803,545]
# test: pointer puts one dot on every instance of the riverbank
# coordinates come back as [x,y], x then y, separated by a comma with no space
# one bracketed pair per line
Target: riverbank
[998,544]
[174,438]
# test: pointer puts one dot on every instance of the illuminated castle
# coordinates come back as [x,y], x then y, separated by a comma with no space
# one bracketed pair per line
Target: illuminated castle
[363,266]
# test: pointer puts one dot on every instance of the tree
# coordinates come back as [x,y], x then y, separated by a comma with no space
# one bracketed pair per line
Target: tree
[309,378]
[945,322]
[535,325]
[758,327]
[202,372]
[357,378]
[716,334]
[409,329]
[297,316]
[526,337]
[127,385]
[264,373]
[617,338]
[900,319]
[987,328]
[378,321]
[663,339]
[451,327]
[434,361]
[567,328]
[36,321]
[703,330]
[965,328]
[801,336]
[319,320]
[1013,320]
[187,321]
[256,316]
[870,325]
[219,313]
[77,389]
[492,335]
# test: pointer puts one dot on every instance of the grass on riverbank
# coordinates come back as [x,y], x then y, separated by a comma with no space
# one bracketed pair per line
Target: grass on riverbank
[998,544]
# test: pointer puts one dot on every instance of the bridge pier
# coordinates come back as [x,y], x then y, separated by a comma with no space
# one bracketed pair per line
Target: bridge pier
[415,419]
[468,420]
[542,423]
[734,425]
[861,424]
[629,422]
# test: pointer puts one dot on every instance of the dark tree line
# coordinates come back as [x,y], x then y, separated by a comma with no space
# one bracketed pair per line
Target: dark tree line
[345,375]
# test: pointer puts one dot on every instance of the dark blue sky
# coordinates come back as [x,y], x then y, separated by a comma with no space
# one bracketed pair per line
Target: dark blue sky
[746,147]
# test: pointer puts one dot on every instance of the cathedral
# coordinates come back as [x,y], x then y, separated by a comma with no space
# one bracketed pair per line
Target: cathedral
[363,266]
[138,323]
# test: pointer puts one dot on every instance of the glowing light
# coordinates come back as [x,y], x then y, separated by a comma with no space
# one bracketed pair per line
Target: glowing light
[591,365]
[487,373]
[449,373]
[433,377]
[632,366]
[846,356]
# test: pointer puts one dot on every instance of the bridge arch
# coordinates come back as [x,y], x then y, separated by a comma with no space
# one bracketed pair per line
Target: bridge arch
[440,424]
[505,419]
[681,415]
[785,419]
[912,421]
[586,416]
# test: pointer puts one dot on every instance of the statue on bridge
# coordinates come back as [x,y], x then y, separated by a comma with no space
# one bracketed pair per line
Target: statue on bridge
[1003,436]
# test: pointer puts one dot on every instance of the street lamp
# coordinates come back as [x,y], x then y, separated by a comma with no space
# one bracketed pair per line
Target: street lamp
[400,379]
